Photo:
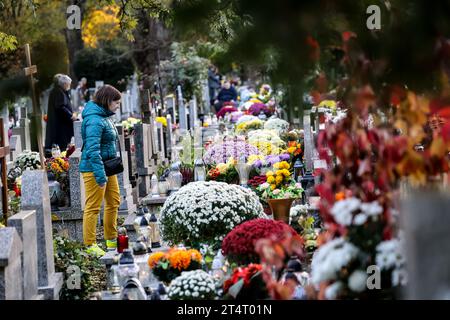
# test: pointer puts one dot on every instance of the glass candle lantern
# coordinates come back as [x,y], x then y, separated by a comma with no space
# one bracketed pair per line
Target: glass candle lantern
[199,170]
[127,268]
[141,256]
[154,184]
[243,170]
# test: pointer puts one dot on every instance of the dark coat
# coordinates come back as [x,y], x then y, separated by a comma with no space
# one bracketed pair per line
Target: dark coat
[59,122]
[226,95]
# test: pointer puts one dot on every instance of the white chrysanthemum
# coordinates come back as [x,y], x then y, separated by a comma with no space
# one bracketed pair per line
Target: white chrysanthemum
[358,281]
[390,256]
[372,208]
[206,211]
[193,291]
[360,219]
[333,290]
[276,124]
[330,258]
[343,210]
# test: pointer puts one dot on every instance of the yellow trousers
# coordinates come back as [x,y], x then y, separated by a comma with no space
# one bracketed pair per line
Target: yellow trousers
[94,198]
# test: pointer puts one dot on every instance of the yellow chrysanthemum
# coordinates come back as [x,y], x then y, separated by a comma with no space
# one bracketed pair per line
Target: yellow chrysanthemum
[269,173]
[254,157]
[286,172]
[279,179]
[279,172]
[328,104]
[272,187]
[270,179]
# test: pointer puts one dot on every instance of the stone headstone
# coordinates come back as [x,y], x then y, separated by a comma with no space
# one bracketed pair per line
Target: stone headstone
[169,137]
[309,144]
[169,102]
[24,132]
[181,111]
[35,196]
[206,108]
[15,145]
[144,163]
[11,278]
[426,224]
[77,134]
[193,113]
[25,224]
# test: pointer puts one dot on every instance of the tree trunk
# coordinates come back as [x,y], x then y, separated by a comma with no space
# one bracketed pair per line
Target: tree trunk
[150,35]
[74,41]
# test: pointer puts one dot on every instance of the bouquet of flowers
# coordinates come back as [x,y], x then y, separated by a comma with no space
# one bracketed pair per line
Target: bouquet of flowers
[267,141]
[235,116]
[341,262]
[28,160]
[224,110]
[303,223]
[281,176]
[294,149]
[204,212]
[225,172]
[128,124]
[246,118]
[239,244]
[269,160]
[221,153]
[276,124]
[57,166]
[291,190]
[168,266]
[193,285]
[162,120]
[246,283]
[244,127]
[257,108]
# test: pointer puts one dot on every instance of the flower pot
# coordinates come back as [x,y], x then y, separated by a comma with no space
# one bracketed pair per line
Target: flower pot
[280,208]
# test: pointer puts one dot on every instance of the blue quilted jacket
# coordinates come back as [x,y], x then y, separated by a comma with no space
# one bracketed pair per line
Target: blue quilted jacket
[99,140]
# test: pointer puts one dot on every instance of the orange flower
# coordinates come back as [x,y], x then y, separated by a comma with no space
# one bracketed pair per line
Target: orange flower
[155,258]
[195,255]
[179,259]
[340,196]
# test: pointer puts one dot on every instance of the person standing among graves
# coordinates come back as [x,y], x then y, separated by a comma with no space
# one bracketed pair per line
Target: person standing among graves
[213,82]
[83,92]
[60,116]
[227,94]
[99,144]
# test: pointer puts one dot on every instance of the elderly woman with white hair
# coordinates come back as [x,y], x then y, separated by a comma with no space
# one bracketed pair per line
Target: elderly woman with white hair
[60,115]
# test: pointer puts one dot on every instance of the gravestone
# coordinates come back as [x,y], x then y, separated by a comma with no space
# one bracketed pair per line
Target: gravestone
[193,113]
[145,163]
[69,220]
[206,107]
[77,134]
[308,141]
[15,147]
[426,224]
[23,131]
[170,142]
[169,102]
[25,224]
[11,278]
[35,196]
[127,204]
[182,112]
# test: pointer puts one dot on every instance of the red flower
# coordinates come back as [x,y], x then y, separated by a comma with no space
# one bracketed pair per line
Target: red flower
[239,244]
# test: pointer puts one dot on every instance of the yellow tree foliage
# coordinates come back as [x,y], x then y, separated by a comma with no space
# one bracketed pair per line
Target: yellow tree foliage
[101,25]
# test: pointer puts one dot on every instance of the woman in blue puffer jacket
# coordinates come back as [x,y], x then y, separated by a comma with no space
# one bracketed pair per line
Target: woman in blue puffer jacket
[99,144]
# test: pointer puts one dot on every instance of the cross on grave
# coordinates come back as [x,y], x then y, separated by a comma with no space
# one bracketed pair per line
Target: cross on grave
[36,117]
[4,152]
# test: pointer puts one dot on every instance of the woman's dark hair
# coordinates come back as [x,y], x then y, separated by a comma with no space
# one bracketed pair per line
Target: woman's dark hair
[105,95]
